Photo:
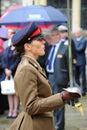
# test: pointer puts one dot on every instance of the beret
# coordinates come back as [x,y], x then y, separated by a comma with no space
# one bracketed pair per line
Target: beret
[26,34]
[62,28]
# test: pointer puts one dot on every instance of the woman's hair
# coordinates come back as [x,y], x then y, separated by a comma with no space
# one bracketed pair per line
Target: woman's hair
[19,51]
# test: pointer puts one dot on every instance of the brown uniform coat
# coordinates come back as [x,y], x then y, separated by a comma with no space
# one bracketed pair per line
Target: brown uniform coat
[35,94]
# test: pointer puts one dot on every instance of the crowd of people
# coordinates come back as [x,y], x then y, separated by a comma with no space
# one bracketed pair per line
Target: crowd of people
[42,63]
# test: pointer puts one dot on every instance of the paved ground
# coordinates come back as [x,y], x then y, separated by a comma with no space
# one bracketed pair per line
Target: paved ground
[74,120]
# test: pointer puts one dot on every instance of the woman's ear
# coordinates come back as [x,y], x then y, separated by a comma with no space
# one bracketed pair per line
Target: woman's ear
[27,47]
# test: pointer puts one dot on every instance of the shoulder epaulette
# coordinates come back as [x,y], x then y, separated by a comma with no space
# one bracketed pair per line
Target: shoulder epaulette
[33,64]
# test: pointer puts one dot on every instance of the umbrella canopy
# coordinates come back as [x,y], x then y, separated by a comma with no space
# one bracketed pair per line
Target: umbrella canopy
[42,15]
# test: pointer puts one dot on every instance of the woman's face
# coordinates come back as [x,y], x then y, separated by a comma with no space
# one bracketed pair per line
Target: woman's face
[36,48]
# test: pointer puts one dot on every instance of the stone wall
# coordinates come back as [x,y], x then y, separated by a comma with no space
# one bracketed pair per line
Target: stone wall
[5,4]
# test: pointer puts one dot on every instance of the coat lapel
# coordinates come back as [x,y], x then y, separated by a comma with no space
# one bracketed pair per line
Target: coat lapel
[36,65]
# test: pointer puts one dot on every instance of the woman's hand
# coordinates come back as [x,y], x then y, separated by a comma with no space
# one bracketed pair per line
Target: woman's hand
[8,72]
[67,96]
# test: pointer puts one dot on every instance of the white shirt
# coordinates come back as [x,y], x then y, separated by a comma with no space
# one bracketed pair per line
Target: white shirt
[79,38]
[53,59]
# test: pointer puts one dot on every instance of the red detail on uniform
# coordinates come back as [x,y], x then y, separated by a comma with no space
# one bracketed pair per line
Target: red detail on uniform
[36,32]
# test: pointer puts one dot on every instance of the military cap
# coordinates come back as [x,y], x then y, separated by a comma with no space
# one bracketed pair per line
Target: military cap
[62,28]
[26,34]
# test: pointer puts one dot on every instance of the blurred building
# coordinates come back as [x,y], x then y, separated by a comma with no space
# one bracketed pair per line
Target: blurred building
[78,9]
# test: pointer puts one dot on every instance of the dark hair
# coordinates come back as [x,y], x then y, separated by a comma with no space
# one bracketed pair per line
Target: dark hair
[19,51]
[54,28]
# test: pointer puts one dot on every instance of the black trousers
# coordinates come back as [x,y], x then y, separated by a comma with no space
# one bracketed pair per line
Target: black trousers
[81,73]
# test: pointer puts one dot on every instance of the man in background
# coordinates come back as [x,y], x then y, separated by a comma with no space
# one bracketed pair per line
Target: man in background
[7,43]
[58,69]
[80,46]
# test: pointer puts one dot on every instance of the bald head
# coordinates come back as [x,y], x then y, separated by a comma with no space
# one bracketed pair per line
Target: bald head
[78,32]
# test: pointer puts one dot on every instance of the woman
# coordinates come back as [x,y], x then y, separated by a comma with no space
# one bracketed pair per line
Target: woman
[9,64]
[3,98]
[33,89]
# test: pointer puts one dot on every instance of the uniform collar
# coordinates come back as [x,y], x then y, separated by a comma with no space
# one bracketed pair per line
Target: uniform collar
[34,62]
[31,60]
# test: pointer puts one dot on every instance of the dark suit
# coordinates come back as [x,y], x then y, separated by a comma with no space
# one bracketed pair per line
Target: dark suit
[80,46]
[59,79]
[9,61]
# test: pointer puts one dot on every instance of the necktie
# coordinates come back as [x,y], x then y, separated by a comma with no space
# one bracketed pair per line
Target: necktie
[51,57]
